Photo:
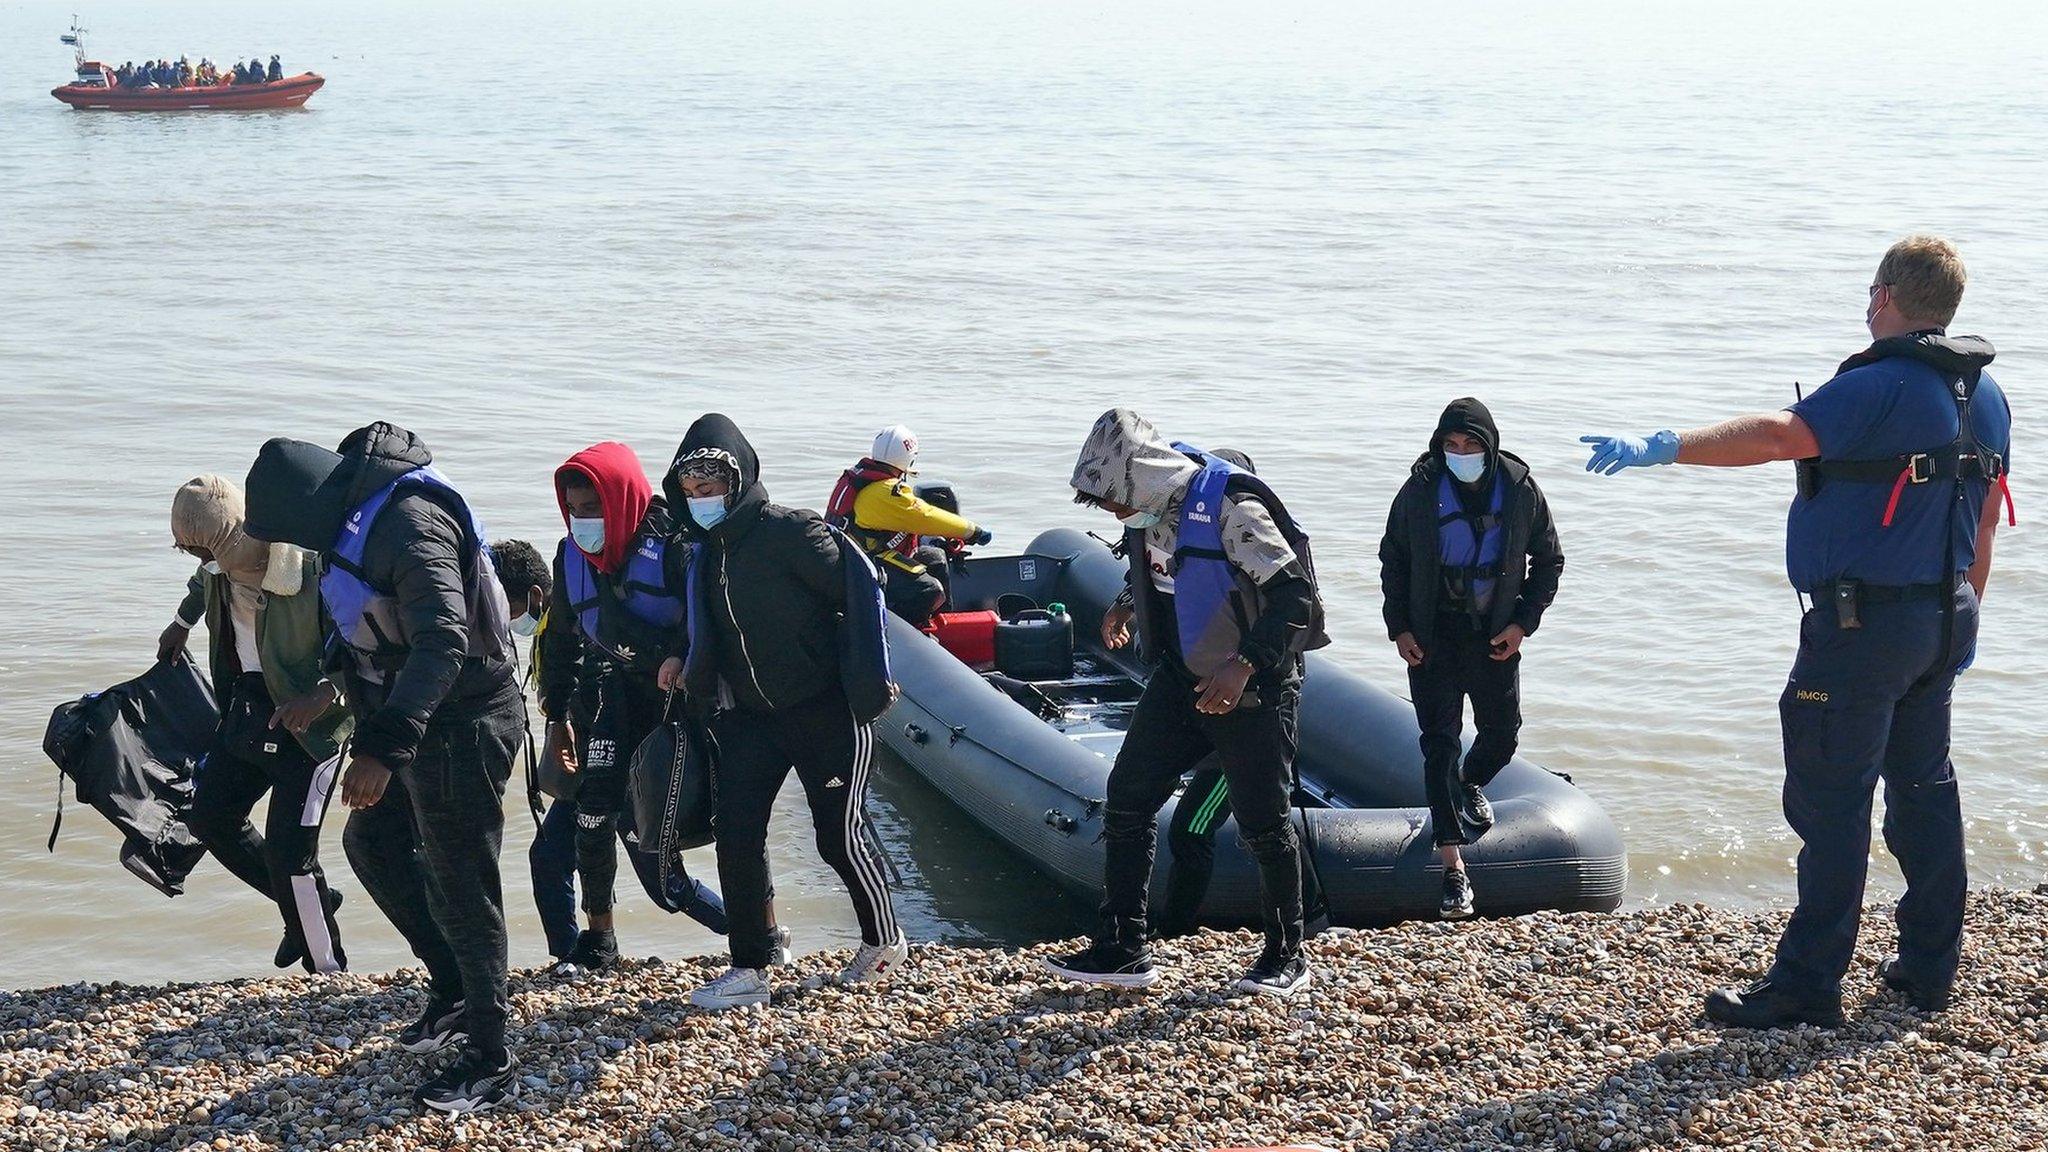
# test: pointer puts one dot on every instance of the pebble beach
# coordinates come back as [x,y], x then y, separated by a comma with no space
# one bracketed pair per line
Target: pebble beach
[1571,1031]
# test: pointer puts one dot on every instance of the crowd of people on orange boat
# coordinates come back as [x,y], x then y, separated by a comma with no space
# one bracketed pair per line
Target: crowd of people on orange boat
[182,74]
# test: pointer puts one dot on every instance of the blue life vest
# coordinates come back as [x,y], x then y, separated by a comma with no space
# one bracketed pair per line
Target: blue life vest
[641,589]
[1213,600]
[1469,546]
[366,617]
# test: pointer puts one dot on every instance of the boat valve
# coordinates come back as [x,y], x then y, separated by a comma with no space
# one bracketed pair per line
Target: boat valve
[1060,820]
[917,735]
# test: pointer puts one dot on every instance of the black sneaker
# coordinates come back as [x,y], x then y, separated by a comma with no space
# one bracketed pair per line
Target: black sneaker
[1116,965]
[595,951]
[1478,813]
[1765,1005]
[471,1084]
[1457,902]
[1894,977]
[1277,974]
[439,1026]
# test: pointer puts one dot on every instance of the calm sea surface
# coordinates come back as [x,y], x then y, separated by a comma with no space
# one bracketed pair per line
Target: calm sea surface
[1295,229]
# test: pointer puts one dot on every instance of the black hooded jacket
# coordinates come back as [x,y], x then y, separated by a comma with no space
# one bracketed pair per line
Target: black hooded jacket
[774,586]
[1533,560]
[452,612]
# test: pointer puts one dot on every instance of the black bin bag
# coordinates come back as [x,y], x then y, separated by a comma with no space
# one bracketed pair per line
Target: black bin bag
[671,784]
[130,752]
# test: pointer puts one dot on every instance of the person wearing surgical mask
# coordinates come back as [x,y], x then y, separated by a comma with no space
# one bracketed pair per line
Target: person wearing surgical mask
[615,612]
[1468,565]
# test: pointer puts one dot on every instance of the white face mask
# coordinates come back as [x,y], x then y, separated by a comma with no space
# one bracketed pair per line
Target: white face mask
[1139,521]
[1466,466]
[525,624]
[588,532]
[212,567]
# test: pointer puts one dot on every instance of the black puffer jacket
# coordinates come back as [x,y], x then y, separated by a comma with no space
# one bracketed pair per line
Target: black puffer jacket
[455,624]
[1532,558]
[772,586]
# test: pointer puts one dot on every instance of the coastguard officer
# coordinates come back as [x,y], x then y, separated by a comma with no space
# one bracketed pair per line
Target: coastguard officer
[1902,462]
[874,503]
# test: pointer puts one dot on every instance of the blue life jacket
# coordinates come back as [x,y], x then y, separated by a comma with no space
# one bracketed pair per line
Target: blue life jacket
[641,589]
[1213,601]
[1469,546]
[366,617]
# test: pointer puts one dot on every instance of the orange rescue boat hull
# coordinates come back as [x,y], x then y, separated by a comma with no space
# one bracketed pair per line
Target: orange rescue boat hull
[290,92]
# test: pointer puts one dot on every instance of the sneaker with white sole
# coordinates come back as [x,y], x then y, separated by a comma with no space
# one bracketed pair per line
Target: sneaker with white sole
[738,988]
[875,961]
[442,1024]
[1113,965]
[1277,974]
[473,1083]
[783,955]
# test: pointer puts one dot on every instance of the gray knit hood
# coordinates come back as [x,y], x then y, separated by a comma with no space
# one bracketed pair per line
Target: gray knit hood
[1125,460]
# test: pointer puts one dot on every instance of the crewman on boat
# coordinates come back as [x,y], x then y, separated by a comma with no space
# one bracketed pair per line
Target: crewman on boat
[1902,461]
[276,70]
[874,503]
[1223,591]
[1469,563]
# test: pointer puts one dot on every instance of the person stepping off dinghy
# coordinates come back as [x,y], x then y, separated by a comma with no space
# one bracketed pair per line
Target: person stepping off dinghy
[1469,563]
[1223,591]
[281,720]
[874,503]
[785,653]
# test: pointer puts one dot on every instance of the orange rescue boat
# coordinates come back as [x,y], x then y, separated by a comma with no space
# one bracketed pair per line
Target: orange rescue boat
[95,89]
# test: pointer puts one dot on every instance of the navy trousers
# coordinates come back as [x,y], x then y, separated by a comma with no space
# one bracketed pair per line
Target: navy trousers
[552,863]
[1863,705]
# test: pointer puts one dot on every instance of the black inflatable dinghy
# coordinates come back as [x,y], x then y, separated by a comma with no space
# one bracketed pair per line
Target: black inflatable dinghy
[1027,757]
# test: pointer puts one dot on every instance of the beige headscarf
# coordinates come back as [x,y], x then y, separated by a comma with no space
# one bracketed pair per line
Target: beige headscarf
[207,513]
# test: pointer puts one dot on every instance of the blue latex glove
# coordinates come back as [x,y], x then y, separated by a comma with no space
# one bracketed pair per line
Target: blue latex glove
[1613,453]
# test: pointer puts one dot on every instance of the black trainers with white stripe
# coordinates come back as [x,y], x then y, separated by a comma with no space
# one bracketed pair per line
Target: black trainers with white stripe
[473,1083]
[438,1027]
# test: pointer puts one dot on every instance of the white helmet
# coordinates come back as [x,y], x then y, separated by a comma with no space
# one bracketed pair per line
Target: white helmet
[895,446]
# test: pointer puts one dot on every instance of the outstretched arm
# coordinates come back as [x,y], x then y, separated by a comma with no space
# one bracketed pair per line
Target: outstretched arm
[1745,440]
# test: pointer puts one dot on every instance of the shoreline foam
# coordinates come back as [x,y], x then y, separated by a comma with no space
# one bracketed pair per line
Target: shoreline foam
[1579,1031]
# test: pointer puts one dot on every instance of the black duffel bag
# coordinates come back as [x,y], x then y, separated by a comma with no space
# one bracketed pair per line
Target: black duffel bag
[130,752]
[671,788]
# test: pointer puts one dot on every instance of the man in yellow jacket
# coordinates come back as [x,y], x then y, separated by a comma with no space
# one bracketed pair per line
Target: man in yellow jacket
[875,504]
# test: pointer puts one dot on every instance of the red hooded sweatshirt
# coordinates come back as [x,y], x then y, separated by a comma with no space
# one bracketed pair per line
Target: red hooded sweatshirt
[622,490]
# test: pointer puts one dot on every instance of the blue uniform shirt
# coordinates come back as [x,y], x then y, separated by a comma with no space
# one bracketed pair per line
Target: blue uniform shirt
[1893,407]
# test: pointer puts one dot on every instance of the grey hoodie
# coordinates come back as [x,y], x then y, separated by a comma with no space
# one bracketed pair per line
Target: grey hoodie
[1127,461]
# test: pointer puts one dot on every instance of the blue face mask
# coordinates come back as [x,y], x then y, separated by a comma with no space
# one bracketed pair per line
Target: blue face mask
[1467,467]
[707,511]
[1139,521]
[588,533]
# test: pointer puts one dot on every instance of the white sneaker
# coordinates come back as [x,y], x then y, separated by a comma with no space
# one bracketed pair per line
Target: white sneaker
[874,961]
[738,988]
[782,952]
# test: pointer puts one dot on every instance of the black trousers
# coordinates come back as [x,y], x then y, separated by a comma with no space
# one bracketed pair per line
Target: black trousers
[1459,666]
[830,753]
[249,758]
[912,595]
[428,854]
[1204,807]
[1254,749]
[1863,705]
[621,717]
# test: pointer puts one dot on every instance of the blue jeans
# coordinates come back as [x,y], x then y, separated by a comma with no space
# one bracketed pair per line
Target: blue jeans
[552,860]
[1863,705]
